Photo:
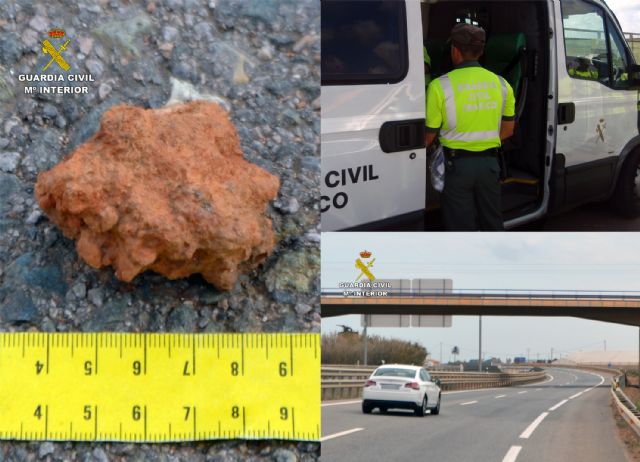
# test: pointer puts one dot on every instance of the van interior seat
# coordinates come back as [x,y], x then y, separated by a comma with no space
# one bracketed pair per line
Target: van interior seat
[504,55]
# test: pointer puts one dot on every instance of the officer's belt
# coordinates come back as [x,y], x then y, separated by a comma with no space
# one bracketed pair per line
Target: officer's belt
[462,153]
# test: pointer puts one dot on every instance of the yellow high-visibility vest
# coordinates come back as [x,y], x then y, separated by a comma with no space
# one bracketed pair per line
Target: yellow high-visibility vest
[468,105]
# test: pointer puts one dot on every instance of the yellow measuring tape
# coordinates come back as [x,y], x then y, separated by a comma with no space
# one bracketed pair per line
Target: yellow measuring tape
[159,387]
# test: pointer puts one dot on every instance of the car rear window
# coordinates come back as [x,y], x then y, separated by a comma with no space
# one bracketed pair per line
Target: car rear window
[363,42]
[396,372]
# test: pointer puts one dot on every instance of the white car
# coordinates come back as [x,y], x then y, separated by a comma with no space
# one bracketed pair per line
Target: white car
[400,386]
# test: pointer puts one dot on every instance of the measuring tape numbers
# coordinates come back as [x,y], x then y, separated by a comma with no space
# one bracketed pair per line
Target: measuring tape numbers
[159,387]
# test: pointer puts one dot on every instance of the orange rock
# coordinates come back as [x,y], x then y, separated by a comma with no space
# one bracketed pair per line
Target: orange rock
[166,190]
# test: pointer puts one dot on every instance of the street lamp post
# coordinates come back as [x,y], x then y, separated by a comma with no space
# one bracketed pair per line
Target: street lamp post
[364,341]
[480,344]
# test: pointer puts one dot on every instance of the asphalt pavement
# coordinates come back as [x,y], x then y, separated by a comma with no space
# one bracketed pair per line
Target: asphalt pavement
[591,217]
[567,417]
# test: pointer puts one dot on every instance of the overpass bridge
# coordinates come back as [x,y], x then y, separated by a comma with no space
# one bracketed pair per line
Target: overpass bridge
[608,306]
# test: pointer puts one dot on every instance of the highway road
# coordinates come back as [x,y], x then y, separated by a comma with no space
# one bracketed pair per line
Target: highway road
[566,417]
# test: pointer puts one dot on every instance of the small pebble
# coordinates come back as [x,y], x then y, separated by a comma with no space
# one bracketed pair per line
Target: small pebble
[9,161]
[104,90]
[38,23]
[33,217]
[45,449]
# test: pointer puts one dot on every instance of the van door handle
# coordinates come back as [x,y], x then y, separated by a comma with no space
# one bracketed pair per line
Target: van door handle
[402,135]
[566,113]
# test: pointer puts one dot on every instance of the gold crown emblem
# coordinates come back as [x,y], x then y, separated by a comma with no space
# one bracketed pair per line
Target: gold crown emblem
[56,33]
[365,254]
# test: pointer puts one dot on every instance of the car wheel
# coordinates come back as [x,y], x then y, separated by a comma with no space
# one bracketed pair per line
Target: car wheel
[366,407]
[436,410]
[626,196]
[422,410]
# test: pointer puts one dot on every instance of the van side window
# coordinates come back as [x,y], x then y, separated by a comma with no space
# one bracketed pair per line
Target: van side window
[363,42]
[585,41]
[619,58]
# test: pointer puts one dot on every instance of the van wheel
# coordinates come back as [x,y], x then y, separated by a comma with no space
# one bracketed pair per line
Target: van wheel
[422,410]
[626,197]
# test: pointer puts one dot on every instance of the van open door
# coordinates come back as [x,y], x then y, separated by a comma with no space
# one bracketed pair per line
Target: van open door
[598,108]
[521,49]
[373,110]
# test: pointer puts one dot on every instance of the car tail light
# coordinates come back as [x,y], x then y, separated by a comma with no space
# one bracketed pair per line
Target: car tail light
[370,383]
[414,385]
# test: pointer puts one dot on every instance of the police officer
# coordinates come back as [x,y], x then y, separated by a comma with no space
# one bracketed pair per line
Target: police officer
[584,69]
[473,110]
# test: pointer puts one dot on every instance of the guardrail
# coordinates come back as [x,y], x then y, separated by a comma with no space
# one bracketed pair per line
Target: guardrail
[626,408]
[344,382]
[633,39]
[440,367]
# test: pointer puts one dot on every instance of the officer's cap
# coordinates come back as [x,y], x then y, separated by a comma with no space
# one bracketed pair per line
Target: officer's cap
[466,34]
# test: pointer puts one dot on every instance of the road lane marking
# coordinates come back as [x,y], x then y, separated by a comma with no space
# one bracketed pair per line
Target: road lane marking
[500,396]
[576,395]
[512,454]
[601,380]
[521,392]
[468,402]
[341,403]
[338,435]
[553,408]
[470,391]
[531,428]
[546,381]
[537,389]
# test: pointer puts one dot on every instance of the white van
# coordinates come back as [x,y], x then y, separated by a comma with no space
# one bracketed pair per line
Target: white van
[576,85]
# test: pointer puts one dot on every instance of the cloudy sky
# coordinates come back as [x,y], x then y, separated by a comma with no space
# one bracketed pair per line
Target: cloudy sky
[546,261]
[628,13]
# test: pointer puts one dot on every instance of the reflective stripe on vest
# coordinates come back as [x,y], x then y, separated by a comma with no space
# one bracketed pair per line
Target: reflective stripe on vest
[588,74]
[503,84]
[451,133]
[449,102]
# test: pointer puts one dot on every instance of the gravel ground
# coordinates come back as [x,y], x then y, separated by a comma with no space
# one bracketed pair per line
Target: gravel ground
[260,59]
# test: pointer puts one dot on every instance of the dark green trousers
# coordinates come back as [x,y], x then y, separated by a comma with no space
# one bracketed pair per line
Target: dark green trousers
[471,196]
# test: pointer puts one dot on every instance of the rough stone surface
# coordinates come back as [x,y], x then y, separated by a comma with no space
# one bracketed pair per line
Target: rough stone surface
[166,190]
[276,112]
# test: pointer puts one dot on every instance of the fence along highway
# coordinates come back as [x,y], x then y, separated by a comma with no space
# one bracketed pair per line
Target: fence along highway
[618,307]
[566,417]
